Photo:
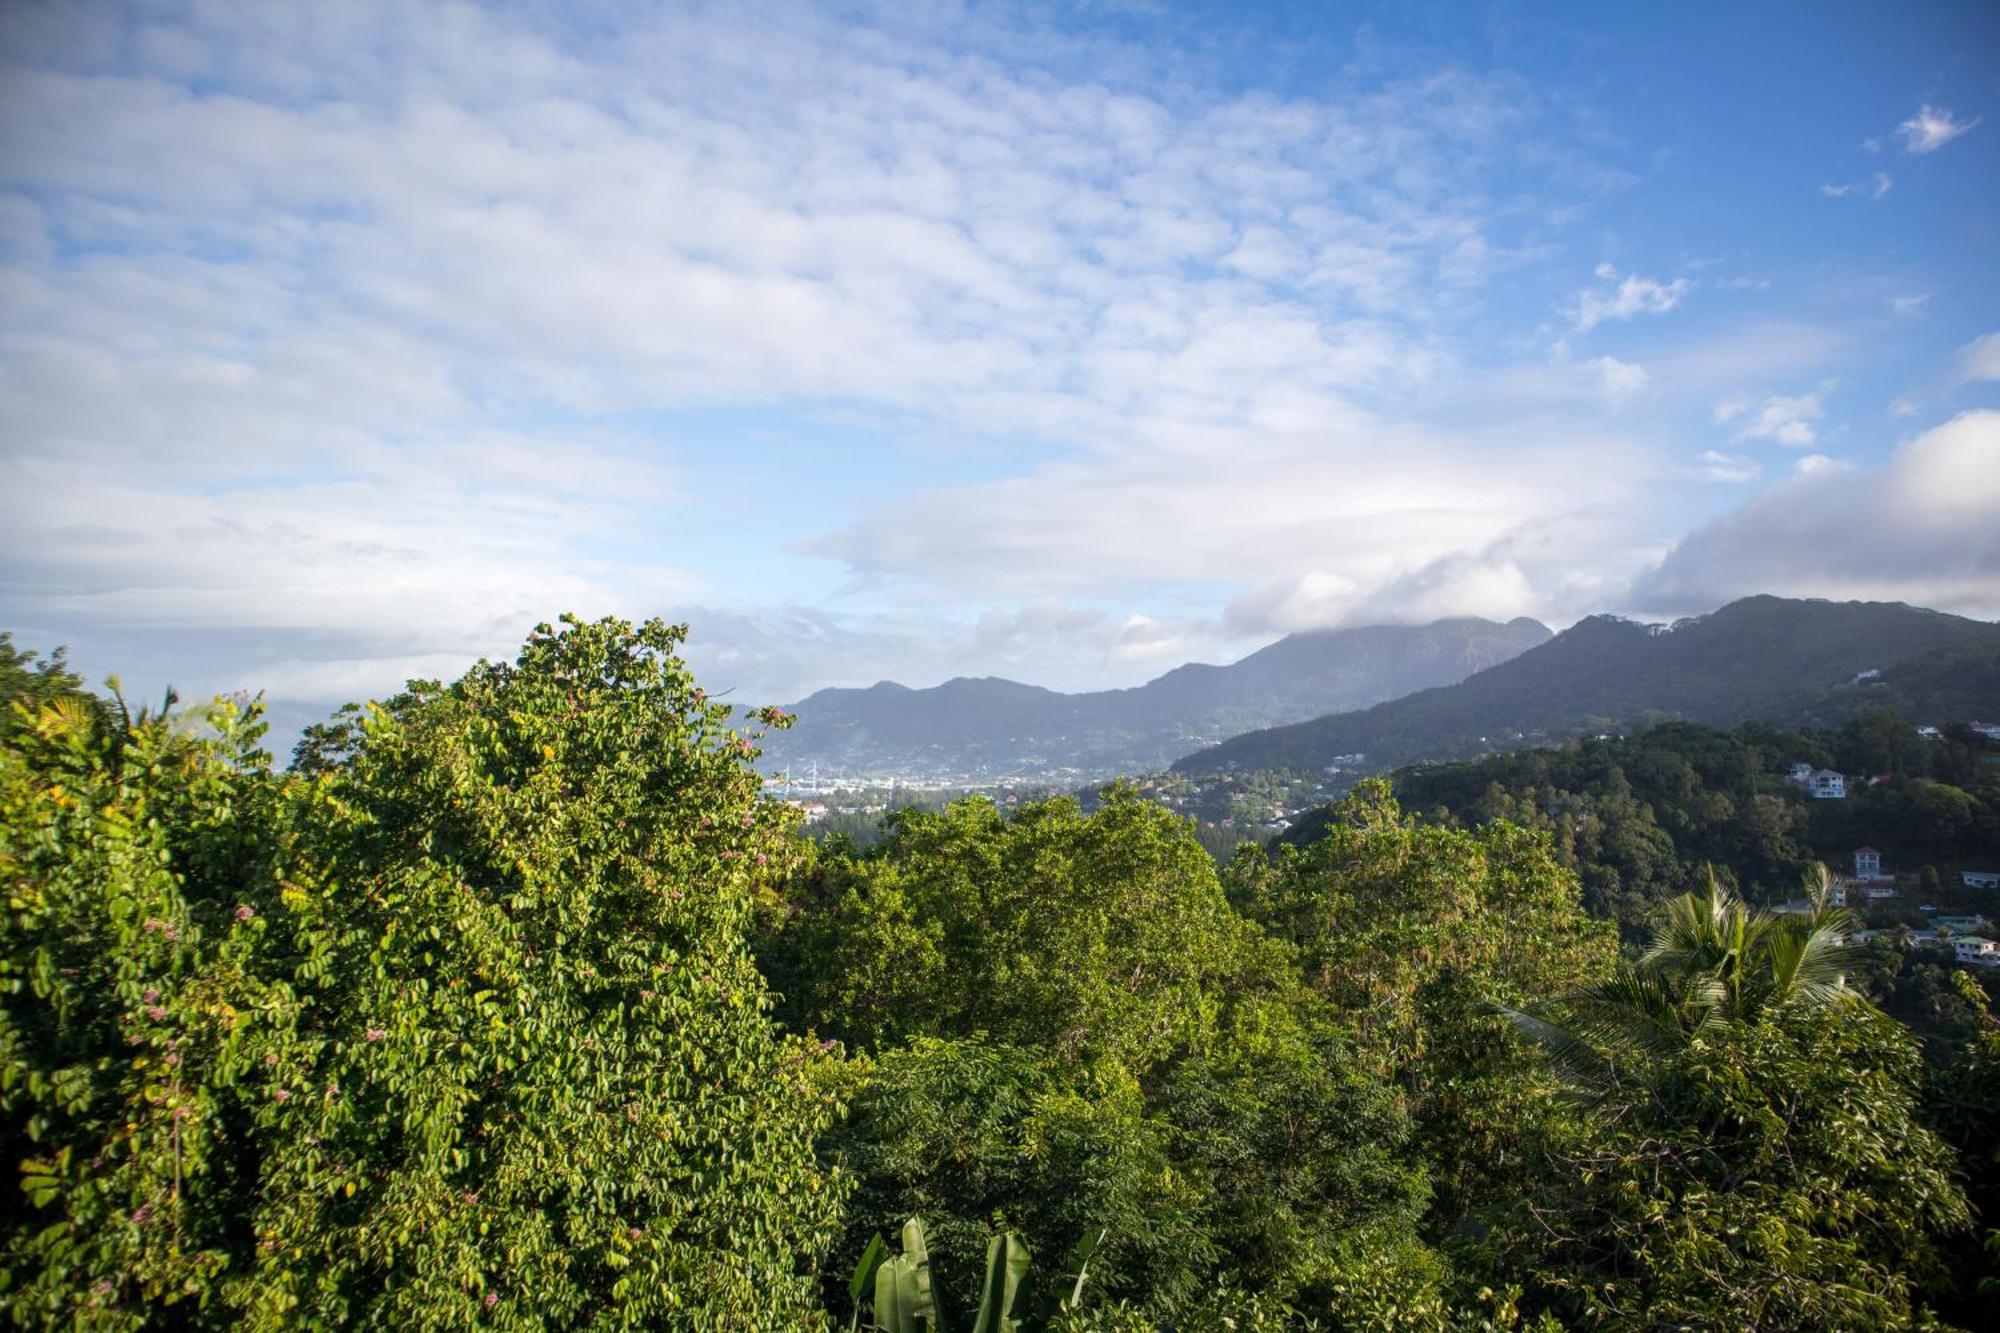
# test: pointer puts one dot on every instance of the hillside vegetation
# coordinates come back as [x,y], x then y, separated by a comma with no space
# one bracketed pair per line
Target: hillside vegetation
[1645,817]
[1762,658]
[514,1004]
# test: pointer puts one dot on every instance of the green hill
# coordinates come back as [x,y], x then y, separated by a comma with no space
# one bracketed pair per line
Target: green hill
[1762,658]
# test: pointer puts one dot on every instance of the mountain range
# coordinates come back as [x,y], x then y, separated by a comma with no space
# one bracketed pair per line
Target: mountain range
[1796,662]
[990,726]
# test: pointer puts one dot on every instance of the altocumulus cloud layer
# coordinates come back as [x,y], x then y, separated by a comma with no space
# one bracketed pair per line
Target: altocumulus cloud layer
[343,342]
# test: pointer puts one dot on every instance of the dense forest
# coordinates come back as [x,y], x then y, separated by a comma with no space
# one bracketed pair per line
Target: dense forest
[1642,818]
[514,1002]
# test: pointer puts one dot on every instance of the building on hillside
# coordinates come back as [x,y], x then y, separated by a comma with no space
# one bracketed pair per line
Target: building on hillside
[1990,730]
[1977,950]
[1879,892]
[1959,925]
[1867,864]
[1930,733]
[1980,879]
[1836,894]
[1826,785]
[1801,772]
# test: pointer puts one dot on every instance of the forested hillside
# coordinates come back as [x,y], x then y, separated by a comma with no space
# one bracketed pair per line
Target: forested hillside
[514,1004]
[1767,659]
[1642,818]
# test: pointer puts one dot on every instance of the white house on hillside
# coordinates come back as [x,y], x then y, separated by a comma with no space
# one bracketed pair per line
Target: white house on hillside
[1980,879]
[1977,950]
[1826,785]
[1801,772]
[1867,864]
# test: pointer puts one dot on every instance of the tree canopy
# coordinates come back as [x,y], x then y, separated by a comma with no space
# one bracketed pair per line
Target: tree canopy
[514,1002]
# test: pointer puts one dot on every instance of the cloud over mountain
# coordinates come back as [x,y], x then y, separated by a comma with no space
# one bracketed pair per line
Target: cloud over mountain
[1920,529]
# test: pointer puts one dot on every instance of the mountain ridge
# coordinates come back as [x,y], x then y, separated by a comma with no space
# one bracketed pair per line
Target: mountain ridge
[991,724]
[1748,660]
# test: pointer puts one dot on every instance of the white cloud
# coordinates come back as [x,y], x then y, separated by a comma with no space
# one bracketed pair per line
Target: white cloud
[1820,465]
[1744,354]
[339,342]
[1736,468]
[1620,379]
[1979,359]
[338,283]
[1875,186]
[1623,298]
[1304,483]
[1923,528]
[1931,129]
[1789,420]
[1911,304]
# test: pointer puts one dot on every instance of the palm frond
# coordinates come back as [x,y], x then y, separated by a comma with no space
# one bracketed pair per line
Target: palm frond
[1573,1058]
[1630,1010]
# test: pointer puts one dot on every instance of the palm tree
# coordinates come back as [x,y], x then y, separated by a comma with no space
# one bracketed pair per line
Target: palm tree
[1712,961]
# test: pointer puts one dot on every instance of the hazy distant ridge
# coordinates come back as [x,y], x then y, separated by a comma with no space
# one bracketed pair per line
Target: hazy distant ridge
[1001,725]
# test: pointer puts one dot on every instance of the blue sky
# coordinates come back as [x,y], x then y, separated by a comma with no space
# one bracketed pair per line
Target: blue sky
[342,343]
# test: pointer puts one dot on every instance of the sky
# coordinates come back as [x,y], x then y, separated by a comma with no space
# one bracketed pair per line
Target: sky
[340,344]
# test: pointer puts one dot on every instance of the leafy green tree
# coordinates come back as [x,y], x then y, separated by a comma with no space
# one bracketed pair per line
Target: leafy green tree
[1758,1159]
[535,1080]
[1103,937]
[1962,1101]
[456,1025]
[1071,1029]
[1405,928]
[1382,907]
[135,1003]
[1713,961]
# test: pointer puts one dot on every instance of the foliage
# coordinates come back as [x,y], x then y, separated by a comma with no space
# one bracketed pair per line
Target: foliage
[463,1028]
[538,1074]
[1382,908]
[1101,937]
[1713,963]
[1646,817]
[1072,1029]
[136,1004]
[479,1016]
[905,1299]
[1758,1159]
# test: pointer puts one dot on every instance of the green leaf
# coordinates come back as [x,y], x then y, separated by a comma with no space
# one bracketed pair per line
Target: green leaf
[1005,1291]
